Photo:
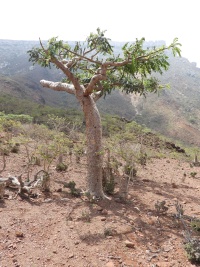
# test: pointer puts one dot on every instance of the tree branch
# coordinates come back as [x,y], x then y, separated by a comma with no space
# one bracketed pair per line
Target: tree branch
[116,64]
[83,57]
[65,70]
[95,80]
[58,86]
[97,95]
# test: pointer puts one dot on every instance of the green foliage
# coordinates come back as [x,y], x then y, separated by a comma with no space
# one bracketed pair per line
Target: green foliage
[43,179]
[193,174]
[195,224]
[130,169]
[57,123]
[37,113]
[111,125]
[21,117]
[60,167]
[73,190]
[193,250]
[130,71]
[35,160]
[108,180]
[109,187]
[43,145]
[78,149]
[161,207]
[144,62]
[9,125]
[98,41]
[85,216]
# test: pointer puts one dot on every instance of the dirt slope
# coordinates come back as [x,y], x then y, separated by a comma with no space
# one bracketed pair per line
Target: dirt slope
[57,229]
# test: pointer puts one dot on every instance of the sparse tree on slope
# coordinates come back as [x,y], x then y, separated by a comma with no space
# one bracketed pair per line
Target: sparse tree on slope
[92,70]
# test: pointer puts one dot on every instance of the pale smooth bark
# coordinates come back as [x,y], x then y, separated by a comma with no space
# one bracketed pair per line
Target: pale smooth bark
[93,135]
[94,147]
[58,86]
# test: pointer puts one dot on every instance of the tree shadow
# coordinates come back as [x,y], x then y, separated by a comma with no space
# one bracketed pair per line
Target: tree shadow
[141,230]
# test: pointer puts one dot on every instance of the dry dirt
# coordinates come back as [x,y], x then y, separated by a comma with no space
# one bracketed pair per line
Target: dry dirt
[57,229]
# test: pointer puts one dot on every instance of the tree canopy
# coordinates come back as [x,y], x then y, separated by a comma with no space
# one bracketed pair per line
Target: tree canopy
[94,64]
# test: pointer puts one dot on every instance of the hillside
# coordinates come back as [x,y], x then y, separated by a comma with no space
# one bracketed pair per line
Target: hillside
[174,113]
[65,227]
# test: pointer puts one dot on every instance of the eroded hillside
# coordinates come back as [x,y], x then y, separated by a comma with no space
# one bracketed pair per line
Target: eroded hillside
[175,112]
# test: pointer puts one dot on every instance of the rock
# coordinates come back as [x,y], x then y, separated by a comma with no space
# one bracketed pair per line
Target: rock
[47,200]
[129,244]
[103,218]
[19,234]
[64,199]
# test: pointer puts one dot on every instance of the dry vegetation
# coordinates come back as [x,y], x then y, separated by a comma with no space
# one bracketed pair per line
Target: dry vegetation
[148,225]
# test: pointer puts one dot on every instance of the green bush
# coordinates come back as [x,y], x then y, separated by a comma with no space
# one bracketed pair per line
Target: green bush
[193,250]
[196,225]
[73,190]
[21,118]
[130,169]
[60,167]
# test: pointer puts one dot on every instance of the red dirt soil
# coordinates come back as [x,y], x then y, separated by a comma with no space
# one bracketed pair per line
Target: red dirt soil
[56,229]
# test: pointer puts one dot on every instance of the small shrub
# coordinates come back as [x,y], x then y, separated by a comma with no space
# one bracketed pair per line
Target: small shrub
[108,232]
[78,151]
[43,180]
[193,250]
[46,182]
[142,159]
[73,190]
[109,187]
[60,167]
[161,207]
[85,216]
[179,210]
[108,180]
[15,148]
[130,170]
[196,225]
[35,161]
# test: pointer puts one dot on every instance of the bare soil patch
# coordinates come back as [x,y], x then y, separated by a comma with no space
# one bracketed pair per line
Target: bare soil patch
[56,229]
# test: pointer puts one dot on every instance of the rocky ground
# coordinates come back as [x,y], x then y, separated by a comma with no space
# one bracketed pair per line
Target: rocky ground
[57,229]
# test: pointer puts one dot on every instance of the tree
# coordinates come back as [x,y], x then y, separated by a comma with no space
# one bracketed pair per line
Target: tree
[93,70]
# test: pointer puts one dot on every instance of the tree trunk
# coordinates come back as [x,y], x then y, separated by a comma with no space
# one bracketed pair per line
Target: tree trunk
[93,130]
[94,147]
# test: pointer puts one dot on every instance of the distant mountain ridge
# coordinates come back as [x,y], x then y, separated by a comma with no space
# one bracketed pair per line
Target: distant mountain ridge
[174,113]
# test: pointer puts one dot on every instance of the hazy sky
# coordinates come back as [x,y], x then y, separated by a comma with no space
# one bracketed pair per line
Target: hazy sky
[124,20]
